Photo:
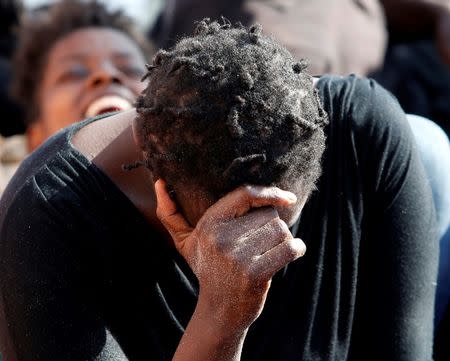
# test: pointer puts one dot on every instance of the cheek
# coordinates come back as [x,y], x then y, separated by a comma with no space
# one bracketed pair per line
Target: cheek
[192,209]
[192,203]
[59,108]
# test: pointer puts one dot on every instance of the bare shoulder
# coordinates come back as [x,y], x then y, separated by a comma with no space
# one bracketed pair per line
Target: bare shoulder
[95,137]
[109,144]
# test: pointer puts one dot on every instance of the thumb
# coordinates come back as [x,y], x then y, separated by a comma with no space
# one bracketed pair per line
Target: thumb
[170,217]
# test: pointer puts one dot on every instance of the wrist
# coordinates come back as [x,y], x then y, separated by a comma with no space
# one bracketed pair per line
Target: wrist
[223,322]
[207,337]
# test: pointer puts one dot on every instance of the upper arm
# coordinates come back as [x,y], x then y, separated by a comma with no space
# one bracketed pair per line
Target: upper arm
[399,249]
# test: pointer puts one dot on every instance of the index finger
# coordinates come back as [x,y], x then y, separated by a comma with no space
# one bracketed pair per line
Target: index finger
[238,202]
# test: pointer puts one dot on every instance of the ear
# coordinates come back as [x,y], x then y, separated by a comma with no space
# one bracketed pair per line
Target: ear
[35,135]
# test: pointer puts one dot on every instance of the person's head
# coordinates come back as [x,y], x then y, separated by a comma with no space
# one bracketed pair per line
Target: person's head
[229,107]
[76,59]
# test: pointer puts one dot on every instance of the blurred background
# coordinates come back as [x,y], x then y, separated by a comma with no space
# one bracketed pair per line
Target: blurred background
[397,42]
[144,12]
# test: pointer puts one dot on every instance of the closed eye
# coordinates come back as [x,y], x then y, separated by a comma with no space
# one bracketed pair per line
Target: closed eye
[132,71]
[73,73]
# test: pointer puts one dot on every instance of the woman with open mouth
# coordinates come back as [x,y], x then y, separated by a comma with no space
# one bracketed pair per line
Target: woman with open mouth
[76,60]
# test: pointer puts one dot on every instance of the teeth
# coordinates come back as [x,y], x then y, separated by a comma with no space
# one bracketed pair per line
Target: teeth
[107,102]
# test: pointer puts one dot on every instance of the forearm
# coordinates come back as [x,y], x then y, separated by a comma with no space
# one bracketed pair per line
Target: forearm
[209,338]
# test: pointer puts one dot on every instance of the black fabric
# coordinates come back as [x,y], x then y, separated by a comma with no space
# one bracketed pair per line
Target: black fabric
[442,346]
[84,277]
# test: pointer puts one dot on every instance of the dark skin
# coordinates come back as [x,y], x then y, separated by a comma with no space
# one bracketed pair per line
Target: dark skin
[75,75]
[240,235]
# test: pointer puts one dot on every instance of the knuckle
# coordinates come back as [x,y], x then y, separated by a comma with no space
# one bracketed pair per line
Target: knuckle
[281,230]
[295,248]
[290,250]
[248,191]
[275,193]
[250,276]
[163,218]
[246,188]
[272,192]
[219,242]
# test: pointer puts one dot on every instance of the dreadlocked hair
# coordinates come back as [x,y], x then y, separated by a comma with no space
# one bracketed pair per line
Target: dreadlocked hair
[46,25]
[230,106]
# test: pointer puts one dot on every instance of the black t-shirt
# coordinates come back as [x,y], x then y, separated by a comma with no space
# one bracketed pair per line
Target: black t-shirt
[84,277]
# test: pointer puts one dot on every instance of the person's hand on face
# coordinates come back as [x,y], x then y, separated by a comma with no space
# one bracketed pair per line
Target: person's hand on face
[235,248]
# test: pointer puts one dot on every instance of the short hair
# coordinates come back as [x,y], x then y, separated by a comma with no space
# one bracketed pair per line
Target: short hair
[48,24]
[230,106]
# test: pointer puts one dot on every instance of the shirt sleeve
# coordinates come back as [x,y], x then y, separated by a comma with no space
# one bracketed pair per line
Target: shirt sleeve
[399,247]
[47,304]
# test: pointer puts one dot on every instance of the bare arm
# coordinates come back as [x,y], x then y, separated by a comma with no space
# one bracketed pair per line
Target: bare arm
[204,339]
[234,250]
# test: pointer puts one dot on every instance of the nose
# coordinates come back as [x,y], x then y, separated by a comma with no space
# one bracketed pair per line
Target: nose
[104,74]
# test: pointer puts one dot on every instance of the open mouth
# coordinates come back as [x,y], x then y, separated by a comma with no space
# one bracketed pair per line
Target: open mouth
[107,104]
